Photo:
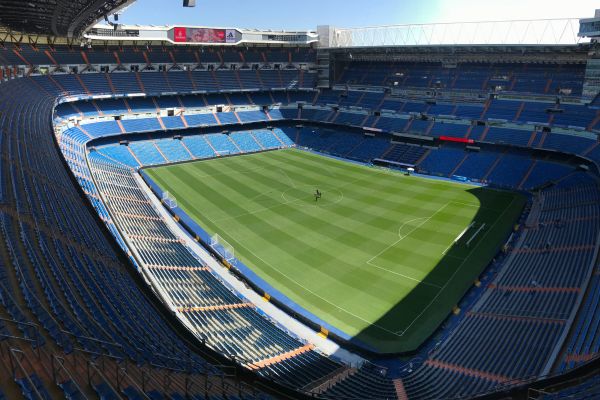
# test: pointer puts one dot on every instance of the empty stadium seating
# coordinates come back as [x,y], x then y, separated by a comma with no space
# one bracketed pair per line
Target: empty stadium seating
[537,300]
[588,389]
[75,291]
[140,153]
[516,78]
[68,290]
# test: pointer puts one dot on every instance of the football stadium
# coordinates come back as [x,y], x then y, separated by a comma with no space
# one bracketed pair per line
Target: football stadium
[392,212]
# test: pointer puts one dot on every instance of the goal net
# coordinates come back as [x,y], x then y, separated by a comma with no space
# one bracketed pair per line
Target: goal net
[221,246]
[169,200]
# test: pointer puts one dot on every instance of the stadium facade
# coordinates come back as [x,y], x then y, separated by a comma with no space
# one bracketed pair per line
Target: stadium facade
[109,289]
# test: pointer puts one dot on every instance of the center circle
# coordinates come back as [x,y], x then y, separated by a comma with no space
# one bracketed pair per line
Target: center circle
[306,195]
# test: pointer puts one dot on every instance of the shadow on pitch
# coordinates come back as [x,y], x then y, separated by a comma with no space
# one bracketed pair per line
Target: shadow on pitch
[415,318]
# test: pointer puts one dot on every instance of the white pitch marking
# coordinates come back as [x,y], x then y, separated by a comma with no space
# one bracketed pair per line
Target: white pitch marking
[285,202]
[425,220]
[402,275]
[467,204]
[460,235]
[457,269]
[474,205]
[313,293]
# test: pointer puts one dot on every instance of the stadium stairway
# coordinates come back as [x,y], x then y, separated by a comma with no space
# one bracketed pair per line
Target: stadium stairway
[400,390]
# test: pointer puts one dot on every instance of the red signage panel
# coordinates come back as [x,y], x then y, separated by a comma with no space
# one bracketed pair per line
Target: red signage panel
[456,139]
[180,35]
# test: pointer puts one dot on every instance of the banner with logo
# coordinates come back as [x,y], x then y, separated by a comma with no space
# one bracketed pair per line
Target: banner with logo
[179,35]
[200,35]
[231,36]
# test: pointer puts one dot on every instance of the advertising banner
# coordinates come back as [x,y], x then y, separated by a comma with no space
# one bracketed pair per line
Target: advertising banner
[199,35]
[179,35]
[231,36]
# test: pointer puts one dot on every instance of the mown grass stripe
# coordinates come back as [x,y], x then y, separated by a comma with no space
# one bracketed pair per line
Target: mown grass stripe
[317,254]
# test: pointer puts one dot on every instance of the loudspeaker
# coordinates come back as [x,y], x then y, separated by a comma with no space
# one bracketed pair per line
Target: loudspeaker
[189,3]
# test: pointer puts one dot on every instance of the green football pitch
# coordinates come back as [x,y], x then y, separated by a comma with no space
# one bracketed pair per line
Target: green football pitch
[382,256]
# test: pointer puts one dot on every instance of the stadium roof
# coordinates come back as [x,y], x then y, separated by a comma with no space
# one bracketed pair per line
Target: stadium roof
[518,32]
[55,17]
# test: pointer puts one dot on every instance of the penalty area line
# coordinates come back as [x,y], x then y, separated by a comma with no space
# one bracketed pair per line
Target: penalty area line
[404,276]
[457,269]
[425,220]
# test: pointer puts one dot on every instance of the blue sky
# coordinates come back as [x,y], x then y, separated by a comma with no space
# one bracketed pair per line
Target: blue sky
[307,14]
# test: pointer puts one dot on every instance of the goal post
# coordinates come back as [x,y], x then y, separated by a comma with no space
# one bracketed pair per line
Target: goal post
[221,246]
[169,200]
